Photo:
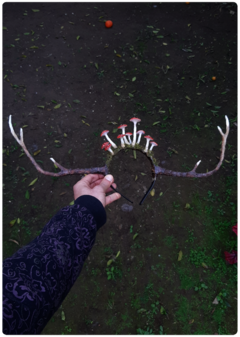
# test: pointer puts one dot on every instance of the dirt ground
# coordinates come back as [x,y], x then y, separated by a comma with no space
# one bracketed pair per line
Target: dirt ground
[66,79]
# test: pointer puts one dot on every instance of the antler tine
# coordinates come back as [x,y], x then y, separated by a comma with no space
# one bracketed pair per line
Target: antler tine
[63,170]
[193,174]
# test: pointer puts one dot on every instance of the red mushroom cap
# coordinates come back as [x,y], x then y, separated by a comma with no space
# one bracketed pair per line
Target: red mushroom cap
[148,137]
[154,143]
[107,147]
[122,126]
[135,119]
[141,131]
[104,145]
[120,136]
[128,134]
[104,133]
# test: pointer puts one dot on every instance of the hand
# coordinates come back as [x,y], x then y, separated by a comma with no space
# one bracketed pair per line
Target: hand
[97,186]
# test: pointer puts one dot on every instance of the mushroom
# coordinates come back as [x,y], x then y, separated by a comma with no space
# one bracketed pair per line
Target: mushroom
[122,141]
[104,145]
[108,148]
[129,139]
[153,144]
[140,133]
[148,138]
[134,120]
[122,127]
[104,133]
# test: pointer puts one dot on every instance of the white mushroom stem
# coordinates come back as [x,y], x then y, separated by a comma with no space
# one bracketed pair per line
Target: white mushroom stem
[122,142]
[110,141]
[134,133]
[147,143]
[129,139]
[125,138]
[139,138]
[111,151]
[152,145]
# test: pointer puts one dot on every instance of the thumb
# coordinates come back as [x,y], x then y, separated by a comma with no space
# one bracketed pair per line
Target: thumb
[106,182]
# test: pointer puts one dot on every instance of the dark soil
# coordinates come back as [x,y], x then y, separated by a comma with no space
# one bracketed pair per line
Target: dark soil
[63,54]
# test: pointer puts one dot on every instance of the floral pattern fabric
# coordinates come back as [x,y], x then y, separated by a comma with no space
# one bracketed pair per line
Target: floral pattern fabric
[37,278]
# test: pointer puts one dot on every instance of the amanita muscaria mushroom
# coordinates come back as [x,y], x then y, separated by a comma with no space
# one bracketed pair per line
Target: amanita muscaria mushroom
[135,120]
[152,145]
[140,133]
[148,138]
[108,148]
[122,141]
[105,133]
[129,139]
[122,127]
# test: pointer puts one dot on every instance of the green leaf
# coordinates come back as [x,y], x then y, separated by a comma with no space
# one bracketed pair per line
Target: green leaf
[35,10]
[33,182]
[63,316]
[161,193]
[134,236]
[155,31]
[53,101]
[143,174]
[155,123]
[4,28]
[57,106]
[5,77]
[223,93]
[167,54]
[217,107]
[208,104]
[78,37]
[160,36]
[72,203]
[34,47]
[96,65]
[130,95]
[134,79]
[116,93]
[76,101]
[118,253]
[27,196]
[114,130]
[40,106]
[180,255]
[11,223]
[26,33]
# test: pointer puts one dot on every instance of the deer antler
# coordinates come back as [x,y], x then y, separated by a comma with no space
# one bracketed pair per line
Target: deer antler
[193,174]
[63,171]
[104,170]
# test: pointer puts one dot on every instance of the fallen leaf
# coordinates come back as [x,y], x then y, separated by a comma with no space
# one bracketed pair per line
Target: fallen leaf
[36,153]
[152,192]
[18,221]
[96,65]
[24,126]
[215,301]
[188,98]
[109,262]
[33,182]
[78,37]
[180,255]
[62,193]
[35,10]
[34,47]
[187,206]
[27,196]
[40,106]
[65,135]
[155,123]
[57,106]
[72,203]
[76,101]
[134,236]
[143,174]
[204,265]
[118,55]
[161,193]
[11,223]
[191,321]
[134,79]
[63,316]
[13,241]
[136,178]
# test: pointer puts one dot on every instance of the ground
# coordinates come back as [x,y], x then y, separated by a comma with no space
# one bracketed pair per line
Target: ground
[66,79]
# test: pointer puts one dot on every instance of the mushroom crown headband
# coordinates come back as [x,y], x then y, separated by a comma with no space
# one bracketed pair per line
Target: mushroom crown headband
[130,143]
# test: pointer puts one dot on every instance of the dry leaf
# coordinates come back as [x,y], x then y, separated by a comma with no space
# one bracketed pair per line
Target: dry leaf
[36,153]
[215,301]
[191,321]
[180,255]
[13,241]
[152,192]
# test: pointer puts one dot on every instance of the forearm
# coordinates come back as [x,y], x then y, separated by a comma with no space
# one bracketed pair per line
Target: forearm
[37,277]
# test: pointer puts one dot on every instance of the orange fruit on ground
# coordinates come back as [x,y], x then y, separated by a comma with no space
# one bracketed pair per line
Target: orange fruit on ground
[214,78]
[108,24]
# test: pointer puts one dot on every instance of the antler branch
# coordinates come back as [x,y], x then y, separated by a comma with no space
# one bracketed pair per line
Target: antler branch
[63,171]
[193,174]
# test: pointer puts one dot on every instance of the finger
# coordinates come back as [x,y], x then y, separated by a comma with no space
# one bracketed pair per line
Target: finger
[110,188]
[91,178]
[112,197]
[97,182]
[106,182]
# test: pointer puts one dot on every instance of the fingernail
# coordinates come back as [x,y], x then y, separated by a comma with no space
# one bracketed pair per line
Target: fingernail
[109,177]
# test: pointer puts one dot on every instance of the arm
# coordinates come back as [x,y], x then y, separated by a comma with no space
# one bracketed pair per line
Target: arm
[38,276]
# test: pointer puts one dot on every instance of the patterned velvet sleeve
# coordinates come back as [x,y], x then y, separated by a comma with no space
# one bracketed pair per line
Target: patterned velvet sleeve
[38,276]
